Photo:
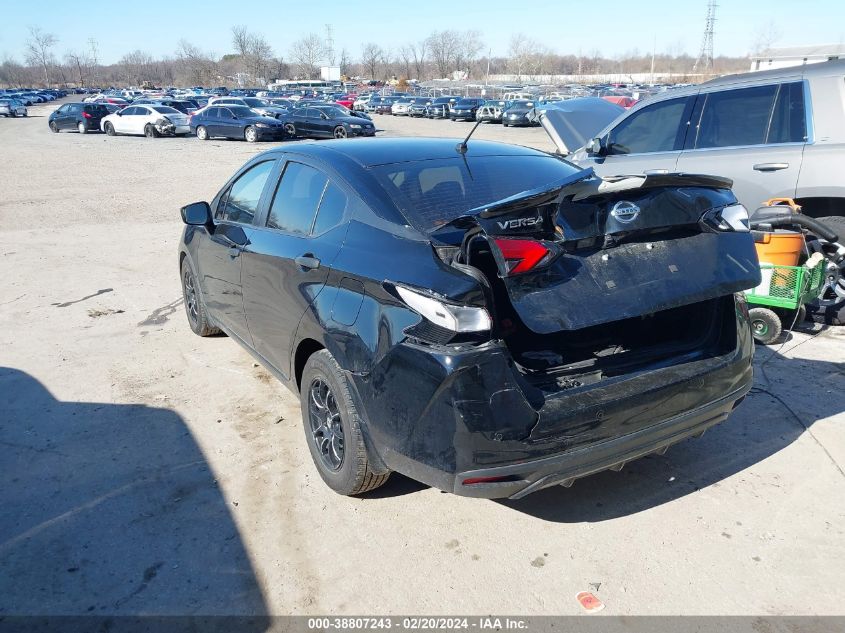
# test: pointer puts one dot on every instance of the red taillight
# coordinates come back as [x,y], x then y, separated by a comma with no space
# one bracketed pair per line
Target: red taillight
[86,115]
[521,255]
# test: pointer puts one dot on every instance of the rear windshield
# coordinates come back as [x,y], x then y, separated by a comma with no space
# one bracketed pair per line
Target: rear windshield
[97,109]
[165,110]
[431,193]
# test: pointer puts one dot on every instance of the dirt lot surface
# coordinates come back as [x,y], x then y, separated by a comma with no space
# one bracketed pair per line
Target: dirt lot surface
[146,470]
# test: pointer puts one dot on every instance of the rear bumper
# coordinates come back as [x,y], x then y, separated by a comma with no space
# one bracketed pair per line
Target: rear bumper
[442,415]
[524,478]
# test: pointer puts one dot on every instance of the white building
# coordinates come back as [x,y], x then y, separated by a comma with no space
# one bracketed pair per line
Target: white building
[796,56]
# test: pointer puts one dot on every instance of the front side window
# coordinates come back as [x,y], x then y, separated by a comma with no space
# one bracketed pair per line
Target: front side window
[241,202]
[736,117]
[652,129]
[297,196]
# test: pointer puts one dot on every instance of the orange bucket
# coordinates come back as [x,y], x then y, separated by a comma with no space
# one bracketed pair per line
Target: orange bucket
[781,248]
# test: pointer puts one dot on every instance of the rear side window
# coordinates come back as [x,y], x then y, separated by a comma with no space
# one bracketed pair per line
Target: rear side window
[736,117]
[652,129]
[245,194]
[789,124]
[296,199]
[331,210]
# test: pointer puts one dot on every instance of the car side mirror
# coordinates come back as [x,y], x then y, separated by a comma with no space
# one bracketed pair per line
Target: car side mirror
[196,214]
[597,146]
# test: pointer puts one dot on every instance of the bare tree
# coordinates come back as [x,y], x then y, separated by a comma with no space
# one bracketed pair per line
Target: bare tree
[137,67]
[254,50]
[372,56]
[197,67]
[466,50]
[307,53]
[39,50]
[79,64]
[405,57]
[765,37]
[443,47]
[345,63]
[419,51]
[12,73]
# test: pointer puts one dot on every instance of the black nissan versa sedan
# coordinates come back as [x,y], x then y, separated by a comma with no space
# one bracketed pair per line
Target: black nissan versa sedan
[485,318]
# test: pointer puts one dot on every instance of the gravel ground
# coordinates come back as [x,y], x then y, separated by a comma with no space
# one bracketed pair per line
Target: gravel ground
[145,470]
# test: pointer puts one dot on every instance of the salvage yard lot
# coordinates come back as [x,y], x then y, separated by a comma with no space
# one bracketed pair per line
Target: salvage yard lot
[147,470]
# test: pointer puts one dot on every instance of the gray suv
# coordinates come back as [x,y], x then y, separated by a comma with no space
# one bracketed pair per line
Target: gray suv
[778,133]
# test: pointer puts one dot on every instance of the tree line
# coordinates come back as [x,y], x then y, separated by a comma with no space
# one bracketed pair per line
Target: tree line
[254,61]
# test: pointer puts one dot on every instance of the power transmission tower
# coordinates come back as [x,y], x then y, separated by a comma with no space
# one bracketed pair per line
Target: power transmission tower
[705,56]
[329,45]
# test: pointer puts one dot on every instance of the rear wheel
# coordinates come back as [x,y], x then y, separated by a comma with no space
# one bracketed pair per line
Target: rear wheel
[765,325]
[333,428]
[250,134]
[340,132]
[109,128]
[83,129]
[150,131]
[194,304]
[54,127]
[202,133]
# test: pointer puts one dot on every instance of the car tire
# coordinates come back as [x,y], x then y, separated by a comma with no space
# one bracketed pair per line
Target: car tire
[150,131]
[290,130]
[81,127]
[765,325]
[202,133]
[829,309]
[333,428]
[340,132]
[195,308]
[109,128]
[250,134]
[53,127]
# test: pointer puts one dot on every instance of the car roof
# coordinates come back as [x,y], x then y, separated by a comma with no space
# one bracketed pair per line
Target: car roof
[368,152]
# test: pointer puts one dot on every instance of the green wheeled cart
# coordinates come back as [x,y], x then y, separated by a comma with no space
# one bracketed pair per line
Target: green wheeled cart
[781,296]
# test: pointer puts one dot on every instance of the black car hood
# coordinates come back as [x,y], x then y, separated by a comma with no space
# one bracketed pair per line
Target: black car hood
[602,268]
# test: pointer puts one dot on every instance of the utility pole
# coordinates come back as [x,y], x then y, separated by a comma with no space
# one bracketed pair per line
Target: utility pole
[653,48]
[92,46]
[489,53]
[705,55]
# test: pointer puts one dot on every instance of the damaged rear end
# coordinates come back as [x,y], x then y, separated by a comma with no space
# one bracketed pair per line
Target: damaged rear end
[610,325]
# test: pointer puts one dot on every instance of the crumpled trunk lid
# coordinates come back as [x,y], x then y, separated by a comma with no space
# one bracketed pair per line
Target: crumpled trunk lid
[618,248]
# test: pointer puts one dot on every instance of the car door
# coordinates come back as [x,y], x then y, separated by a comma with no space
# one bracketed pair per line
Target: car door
[227,124]
[219,259]
[123,122]
[208,119]
[62,116]
[289,257]
[142,116]
[313,123]
[754,135]
[650,140]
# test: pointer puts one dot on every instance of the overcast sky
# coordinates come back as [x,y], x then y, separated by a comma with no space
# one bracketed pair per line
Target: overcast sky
[613,27]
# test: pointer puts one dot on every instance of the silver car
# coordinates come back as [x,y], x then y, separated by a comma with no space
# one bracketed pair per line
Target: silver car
[778,133]
[12,108]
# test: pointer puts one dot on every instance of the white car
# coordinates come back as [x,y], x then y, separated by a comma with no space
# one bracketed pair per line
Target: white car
[149,120]
[400,108]
[361,102]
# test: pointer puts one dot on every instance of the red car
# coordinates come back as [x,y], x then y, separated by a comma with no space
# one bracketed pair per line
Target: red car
[346,101]
[625,102]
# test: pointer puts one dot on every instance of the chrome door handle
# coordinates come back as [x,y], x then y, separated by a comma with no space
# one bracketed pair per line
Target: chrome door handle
[770,166]
[307,262]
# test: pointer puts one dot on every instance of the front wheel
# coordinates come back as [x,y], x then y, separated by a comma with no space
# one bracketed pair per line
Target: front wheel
[290,130]
[109,128]
[53,127]
[194,304]
[333,428]
[765,325]
[250,134]
[340,132]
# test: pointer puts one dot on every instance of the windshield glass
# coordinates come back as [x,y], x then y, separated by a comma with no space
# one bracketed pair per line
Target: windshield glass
[252,102]
[431,193]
